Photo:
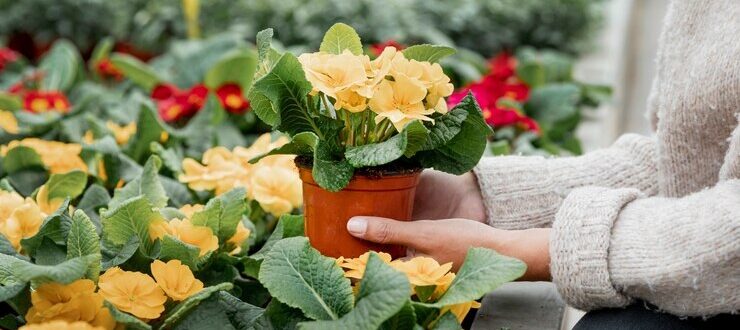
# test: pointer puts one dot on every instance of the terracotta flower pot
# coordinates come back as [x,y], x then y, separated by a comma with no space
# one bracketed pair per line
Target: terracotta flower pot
[326,213]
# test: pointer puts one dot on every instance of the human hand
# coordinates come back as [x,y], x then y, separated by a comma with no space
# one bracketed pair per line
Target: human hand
[445,196]
[448,240]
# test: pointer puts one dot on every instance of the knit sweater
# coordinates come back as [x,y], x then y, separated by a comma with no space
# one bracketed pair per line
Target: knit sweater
[651,218]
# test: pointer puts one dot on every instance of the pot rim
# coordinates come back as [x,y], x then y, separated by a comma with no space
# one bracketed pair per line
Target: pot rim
[389,182]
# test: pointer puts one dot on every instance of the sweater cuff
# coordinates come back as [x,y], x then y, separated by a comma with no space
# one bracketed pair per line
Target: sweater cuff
[579,246]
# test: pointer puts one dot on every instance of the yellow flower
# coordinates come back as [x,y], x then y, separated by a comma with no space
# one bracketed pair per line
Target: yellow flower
[8,122]
[438,84]
[188,210]
[122,133]
[73,302]
[278,189]
[355,267]
[400,101]
[19,218]
[423,271]
[221,171]
[132,292]
[409,68]
[460,310]
[62,325]
[89,137]
[175,279]
[350,100]
[57,156]
[241,235]
[261,146]
[198,236]
[330,73]
[442,285]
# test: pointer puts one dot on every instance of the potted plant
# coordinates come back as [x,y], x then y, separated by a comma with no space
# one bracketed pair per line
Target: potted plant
[363,129]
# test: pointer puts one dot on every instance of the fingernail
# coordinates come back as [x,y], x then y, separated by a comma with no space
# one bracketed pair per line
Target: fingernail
[357,226]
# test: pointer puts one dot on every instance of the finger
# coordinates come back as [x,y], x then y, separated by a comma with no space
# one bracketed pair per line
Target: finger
[384,230]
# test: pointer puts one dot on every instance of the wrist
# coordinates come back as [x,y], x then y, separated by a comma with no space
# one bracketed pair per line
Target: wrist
[532,246]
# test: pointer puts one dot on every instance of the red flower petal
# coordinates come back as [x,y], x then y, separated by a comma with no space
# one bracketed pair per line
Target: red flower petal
[164,91]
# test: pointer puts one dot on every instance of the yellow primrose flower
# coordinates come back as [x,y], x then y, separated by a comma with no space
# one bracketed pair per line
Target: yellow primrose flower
[438,84]
[62,325]
[330,73]
[57,156]
[241,235]
[73,302]
[400,101]
[199,236]
[423,271]
[355,267]
[351,101]
[278,189]
[132,292]
[460,310]
[8,122]
[442,285]
[412,69]
[122,133]
[19,218]
[261,146]
[188,210]
[221,171]
[176,279]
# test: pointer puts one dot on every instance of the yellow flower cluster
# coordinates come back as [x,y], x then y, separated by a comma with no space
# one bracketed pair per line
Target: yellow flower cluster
[58,157]
[8,123]
[19,217]
[273,182]
[61,325]
[420,271]
[199,236]
[393,87]
[122,133]
[143,296]
[74,302]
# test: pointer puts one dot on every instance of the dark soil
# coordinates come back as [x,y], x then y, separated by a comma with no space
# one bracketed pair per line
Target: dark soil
[400,167]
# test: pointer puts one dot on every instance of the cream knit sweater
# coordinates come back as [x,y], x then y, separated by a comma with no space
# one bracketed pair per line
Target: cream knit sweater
[652,218]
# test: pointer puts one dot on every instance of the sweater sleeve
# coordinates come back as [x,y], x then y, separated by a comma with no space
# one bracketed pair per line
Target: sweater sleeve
[609,246]
[526,192]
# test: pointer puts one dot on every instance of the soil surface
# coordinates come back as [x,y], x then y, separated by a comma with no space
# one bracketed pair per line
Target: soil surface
[374,172]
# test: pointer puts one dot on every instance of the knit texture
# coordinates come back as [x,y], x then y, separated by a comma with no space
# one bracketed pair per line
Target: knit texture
[676,243]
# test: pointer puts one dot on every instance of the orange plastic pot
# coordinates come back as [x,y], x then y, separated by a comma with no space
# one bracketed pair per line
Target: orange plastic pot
[326,213]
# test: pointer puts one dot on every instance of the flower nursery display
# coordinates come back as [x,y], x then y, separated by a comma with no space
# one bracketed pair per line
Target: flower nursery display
[152,195]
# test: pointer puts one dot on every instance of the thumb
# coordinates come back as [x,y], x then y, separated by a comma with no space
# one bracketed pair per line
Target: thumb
[382,230]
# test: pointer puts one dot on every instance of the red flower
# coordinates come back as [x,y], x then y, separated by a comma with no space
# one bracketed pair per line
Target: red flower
[503,66]
[502,117]
[44,101]
[232,99]
[516,91]
[106,69]
[7,55]
[174,104]
[377,49]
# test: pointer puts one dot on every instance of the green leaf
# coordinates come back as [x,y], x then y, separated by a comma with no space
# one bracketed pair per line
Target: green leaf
[329,172]
[94,198]
[235,67]
[67,185]
[101,51]
[223,213]
[49,253]
[10,102]
[21,157]
[171,159]
[82,240]
[27,180]
[288,226]
[408,142]
[136,71]
[60,66]
[267,55]
[482,271]
[445,128]
[130,218]
[448,321]
[552,103]
[302,143]
[149,129]
[538,68]
[383,292]
[147,185]
[115,255]
[427,53]
[404,319]
[187,305]
[54,228]
[262,106]
[339,37]
[11,290]
[65,272]
[173,248]
[286,87]
[129,321]
[5,185]
[279,316]
[299,276]
[460,154]
[222,310]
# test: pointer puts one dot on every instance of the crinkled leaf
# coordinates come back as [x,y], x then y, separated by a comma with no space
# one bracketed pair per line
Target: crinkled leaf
[330,172]
[49,253]
[267,55]
[173,248]
[427,53]
[170,158]
[299,276]
[65,272]
[60,66]
[279,316]
[187,305]
[341,37]
[129,321]
[408,142]
[445,128]
[383,292]
[54,227]
[66,185]
[220,310]
[553,103]
[147,185]
[83,240]
[130,218]
[302,143]
[92,200]
[223,213]
[21,157]
[136,71]
[149,128]
[262,106]
[287,226]
[404,319]
[482,271]
[448,321]
[10,291]
[115,255]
